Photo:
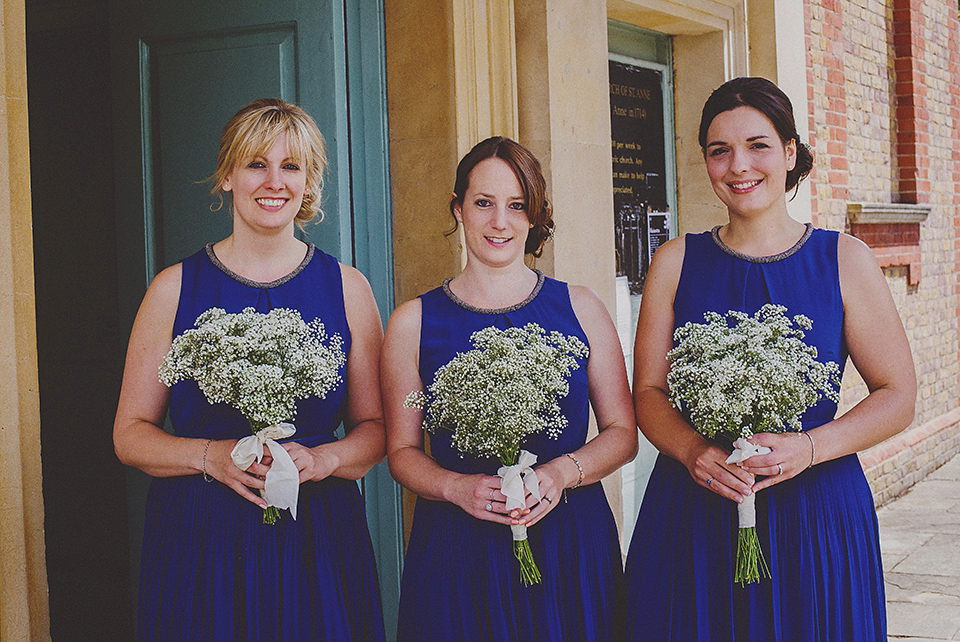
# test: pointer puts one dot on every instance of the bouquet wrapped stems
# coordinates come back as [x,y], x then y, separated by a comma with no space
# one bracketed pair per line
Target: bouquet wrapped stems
[737,375]
[516,475]
[282,482]
[750,566]
[494,396]
[271,513]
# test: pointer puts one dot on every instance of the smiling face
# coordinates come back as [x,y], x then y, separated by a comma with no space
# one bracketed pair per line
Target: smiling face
[493,214]
[747,162]
[267,189]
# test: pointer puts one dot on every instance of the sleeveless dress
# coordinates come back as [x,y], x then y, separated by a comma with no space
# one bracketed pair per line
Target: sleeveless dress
[211,570]
[818,530]
[460,578]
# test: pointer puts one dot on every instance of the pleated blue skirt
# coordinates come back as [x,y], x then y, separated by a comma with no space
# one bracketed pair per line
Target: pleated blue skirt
[462,582]
[211,570]
[820,538]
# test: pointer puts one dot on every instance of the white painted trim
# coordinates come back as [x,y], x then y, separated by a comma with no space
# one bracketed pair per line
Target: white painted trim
[692,17]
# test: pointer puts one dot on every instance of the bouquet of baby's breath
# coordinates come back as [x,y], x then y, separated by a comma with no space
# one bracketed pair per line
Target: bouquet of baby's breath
[495,395]
[260,364]
[738,375]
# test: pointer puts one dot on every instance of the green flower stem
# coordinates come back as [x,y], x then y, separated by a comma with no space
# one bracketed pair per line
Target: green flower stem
[529,573]
[270,515]
[750,565]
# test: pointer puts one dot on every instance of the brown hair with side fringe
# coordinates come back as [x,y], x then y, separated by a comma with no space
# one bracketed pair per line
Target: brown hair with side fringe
[526,168]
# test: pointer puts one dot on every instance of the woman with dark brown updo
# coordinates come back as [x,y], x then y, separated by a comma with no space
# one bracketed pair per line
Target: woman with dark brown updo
[815,516]
[460,579]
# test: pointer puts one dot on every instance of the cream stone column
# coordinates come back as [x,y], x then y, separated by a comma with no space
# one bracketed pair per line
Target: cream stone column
[778,53]
[485,70]
[564,111]
[24,611]
[451,82]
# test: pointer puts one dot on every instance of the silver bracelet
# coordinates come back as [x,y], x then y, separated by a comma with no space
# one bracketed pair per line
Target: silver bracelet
[813,449]
[203,462]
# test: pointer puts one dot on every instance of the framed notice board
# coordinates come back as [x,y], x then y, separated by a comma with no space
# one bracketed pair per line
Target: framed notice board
[643,153]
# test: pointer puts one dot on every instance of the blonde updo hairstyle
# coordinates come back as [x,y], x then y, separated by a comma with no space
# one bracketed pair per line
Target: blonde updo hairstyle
[526,167]
[253,130]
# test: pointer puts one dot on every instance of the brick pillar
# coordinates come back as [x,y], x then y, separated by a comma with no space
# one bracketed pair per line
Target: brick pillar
[913,160]
[834,88]
[954,64]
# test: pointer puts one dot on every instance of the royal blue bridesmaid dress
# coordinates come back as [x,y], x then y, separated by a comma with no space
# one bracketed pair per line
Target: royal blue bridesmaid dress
[211,570]
[460,578]
[818,530]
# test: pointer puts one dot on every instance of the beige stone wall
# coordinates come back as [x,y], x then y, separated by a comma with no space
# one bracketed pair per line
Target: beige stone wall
[23,580]
[855,127]
[564,117]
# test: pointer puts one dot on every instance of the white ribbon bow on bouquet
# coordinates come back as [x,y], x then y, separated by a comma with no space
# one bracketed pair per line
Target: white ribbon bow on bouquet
[282,484]
[744,450]
[513,480]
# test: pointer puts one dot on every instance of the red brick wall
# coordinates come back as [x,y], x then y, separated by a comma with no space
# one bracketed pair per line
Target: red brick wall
[953,35]
[884,98]
[910,65]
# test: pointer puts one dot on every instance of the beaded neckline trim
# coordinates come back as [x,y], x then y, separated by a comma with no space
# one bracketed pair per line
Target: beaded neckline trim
[466,306]
[715,233]
[259,284]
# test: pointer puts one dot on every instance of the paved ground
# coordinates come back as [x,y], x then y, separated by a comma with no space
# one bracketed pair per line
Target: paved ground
[920,542]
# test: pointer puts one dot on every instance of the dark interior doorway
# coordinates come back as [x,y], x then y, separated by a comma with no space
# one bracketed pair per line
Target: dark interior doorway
[79,340]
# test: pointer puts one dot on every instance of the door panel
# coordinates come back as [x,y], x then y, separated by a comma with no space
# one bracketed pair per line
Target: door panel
[181,69]
[186,106]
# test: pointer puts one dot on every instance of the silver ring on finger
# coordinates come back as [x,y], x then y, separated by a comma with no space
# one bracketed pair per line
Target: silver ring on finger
[709,481]
[779,469]
[491,494]
[548,499]
[489,507]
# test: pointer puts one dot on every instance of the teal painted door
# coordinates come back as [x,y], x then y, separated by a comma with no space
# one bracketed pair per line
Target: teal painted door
[180,69]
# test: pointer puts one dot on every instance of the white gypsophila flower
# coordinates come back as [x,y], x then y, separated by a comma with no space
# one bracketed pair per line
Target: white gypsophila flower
[505,388]
[738,375]
[260,364]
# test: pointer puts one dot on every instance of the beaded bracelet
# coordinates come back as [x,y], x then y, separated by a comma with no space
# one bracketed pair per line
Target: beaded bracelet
[203,462]
[579,481]
[579,469]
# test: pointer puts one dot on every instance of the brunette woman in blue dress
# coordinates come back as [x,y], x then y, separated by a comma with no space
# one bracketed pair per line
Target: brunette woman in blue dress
[460,579]
[815,516]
